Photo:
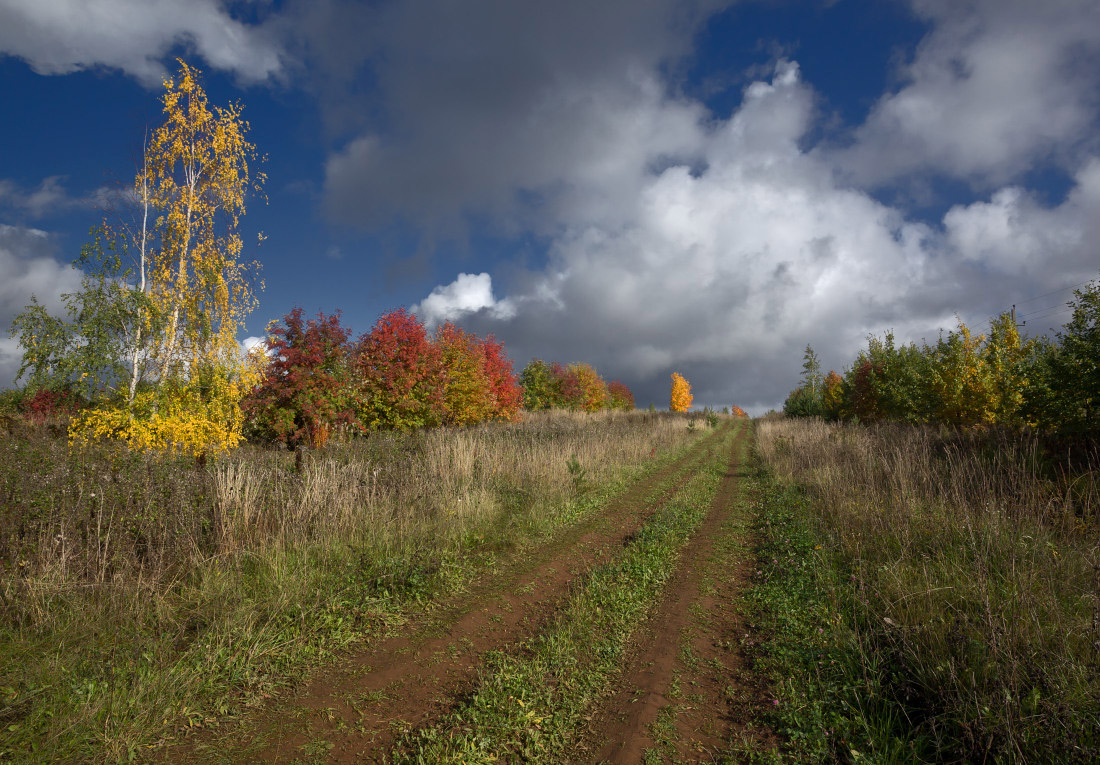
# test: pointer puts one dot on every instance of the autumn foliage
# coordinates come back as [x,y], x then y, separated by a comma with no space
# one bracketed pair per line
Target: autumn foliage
[505,393]
[974,381]
[395,377]
[576,386]
[304,391]
[737,411]
[680,395]
[619,396]
[151,337]
[399,372]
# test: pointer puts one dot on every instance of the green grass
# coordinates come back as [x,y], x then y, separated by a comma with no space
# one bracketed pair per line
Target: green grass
[102,668]
[530,703]
[821,703]
[922,603]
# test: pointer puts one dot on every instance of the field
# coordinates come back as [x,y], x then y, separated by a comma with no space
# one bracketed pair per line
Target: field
[616,587]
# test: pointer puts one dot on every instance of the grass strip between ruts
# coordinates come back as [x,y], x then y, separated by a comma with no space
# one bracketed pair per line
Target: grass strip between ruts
[531,703]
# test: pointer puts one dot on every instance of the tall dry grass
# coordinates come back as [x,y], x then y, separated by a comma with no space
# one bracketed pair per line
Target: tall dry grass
[103,516]
[136,590]
[971,563]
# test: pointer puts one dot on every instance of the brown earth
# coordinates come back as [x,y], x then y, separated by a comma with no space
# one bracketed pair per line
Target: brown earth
[686,691]
[354,712]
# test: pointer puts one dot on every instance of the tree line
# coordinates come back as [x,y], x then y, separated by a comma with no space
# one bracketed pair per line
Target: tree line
[968,380]
[146,351]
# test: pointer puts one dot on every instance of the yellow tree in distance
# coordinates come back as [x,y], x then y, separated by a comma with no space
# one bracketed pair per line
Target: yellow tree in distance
[680,397]
[195,176]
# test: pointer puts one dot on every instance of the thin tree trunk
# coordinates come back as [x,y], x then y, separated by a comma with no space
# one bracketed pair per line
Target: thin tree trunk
[182,273]
[135,373]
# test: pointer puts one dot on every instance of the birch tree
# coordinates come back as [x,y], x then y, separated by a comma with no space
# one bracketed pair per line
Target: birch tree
[196,174]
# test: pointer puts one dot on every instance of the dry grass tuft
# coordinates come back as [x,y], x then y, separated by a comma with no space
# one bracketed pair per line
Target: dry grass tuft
[972,564]
[177,592]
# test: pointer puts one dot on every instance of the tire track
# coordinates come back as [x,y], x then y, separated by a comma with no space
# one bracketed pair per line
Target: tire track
[355,712]
[671,653]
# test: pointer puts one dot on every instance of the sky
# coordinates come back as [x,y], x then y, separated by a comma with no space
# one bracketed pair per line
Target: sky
[648,186]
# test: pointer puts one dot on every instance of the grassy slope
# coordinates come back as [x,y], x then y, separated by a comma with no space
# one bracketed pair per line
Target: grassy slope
[949,617]
[101,672]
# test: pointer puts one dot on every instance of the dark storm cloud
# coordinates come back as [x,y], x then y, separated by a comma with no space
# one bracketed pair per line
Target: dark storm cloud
[522,111]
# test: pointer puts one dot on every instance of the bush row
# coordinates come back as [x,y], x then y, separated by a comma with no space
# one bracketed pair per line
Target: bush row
[968,380]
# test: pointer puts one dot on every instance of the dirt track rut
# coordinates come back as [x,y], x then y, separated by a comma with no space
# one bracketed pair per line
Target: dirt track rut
[685,691]
[355,711]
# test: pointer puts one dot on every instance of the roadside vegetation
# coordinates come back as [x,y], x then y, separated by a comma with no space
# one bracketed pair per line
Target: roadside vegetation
[143,594]
[926,595]
[1046,385]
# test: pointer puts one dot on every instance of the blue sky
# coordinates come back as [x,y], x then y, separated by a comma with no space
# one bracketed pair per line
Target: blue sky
[645,185]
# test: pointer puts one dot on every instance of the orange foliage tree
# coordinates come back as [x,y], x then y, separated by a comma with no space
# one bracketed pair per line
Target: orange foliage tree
[680,396]
[466,395]
[590,389]
[832,399]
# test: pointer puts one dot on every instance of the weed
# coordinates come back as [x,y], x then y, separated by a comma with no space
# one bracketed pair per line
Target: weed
[932,596]
[576,473]
[184,594]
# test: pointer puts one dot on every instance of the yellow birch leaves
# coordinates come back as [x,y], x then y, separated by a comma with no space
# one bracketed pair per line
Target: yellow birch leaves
[196,175]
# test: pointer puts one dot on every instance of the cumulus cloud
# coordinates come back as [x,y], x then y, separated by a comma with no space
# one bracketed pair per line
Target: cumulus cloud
[726,273]
[29,268]
[469,293]
[996,88]
[134,36]
[1013,234]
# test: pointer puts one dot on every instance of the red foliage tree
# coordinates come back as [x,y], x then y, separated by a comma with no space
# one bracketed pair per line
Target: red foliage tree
[620,396]
[303,388]
[504,388]
[401,383]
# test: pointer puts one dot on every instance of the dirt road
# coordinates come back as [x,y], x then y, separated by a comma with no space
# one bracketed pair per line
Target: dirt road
[355,711]
[686,691]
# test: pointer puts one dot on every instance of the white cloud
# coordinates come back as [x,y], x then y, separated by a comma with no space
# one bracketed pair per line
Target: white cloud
[469,293]
[1015,235]
[28,268]
[49,198]
[63,36]
[251,342]
[996,88]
